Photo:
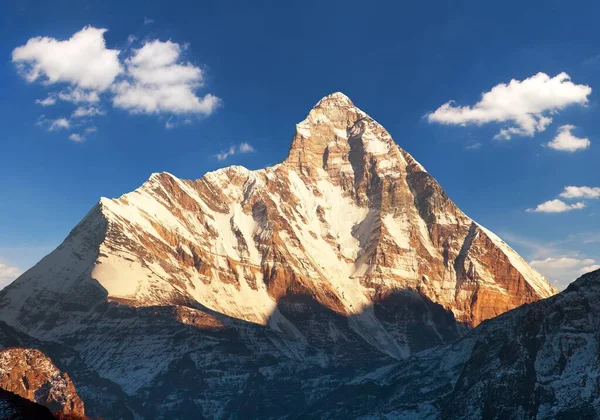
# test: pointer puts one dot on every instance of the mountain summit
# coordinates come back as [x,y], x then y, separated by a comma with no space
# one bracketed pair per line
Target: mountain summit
[348,244]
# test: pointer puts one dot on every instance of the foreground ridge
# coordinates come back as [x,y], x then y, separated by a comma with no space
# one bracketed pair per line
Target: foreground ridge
[537,361]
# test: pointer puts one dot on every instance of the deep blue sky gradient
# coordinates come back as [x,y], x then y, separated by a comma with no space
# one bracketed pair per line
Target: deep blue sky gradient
[270,62]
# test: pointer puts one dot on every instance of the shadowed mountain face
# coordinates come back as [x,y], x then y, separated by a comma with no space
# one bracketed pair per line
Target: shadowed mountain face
[273,285]
[539,361]
[14,407]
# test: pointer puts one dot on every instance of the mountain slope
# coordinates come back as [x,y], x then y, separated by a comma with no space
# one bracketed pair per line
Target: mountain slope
[345,256]
[538,361]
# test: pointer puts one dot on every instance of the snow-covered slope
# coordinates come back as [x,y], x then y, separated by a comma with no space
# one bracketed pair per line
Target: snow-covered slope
[346,248]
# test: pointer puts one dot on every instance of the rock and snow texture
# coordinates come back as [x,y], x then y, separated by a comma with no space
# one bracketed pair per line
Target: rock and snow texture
[14,407]
[539,361]
[347,242]
[31,375]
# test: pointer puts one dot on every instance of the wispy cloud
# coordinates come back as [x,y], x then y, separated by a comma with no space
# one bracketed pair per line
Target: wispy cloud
[558,260]
[89,111]
[48,101]
[8,273]
[564,270]
[473,146]
[77,138]
[242,148]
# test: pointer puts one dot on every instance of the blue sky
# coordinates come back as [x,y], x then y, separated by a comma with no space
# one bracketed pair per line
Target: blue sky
[193,80]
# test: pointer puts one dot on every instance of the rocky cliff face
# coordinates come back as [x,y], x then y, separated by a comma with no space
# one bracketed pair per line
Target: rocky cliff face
[345,256]
[538,361]
[30,374]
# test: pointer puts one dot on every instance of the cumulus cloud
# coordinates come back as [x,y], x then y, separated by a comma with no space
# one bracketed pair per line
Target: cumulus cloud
[82,60]
[572,191]
[569,192]
[242,148]
[152,79]
[526,104]
[158,81]
[556,206]
[8,273]
[566,141]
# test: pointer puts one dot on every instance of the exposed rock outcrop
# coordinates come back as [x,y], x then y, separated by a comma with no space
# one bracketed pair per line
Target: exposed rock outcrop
[31,375]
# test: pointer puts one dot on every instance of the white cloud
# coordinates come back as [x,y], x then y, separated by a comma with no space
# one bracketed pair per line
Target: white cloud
[526,104]
[148,21]
[225,154]
[83,111]
[242,148]
[77,138]
[74,95]
[580,192]
[567,142]
[78,96]
[564,270]
[170,123]
[58,124]
[473,146]
[83,60]
[245,148]
[8,273]
[48,101]
[561,262]
[589,268]
[81,137]
[151,80]
[159,82]
[556,206]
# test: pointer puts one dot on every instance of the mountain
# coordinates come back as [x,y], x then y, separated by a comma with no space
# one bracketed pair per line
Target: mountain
[538,361]
[273,285]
